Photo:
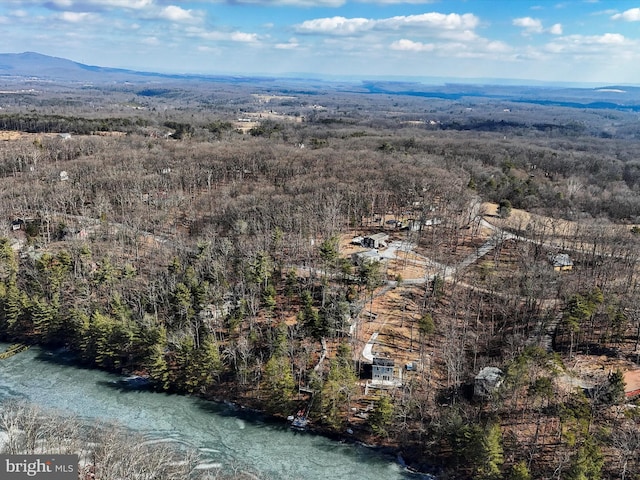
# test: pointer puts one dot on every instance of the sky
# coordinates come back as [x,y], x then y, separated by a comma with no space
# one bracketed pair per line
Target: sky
[576,41]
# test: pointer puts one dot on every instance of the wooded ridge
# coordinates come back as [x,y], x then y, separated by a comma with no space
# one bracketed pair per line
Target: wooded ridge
[202,235]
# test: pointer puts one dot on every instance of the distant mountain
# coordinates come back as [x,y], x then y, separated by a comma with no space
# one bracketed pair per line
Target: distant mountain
[42,67]
[35,67]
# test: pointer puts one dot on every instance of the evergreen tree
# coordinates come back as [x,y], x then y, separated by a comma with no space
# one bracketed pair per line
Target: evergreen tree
[614,389]
[382,416]
[340,386]
[42,316]
[15,305]
[278,383]
[491,454]
[520,471]
[587,462]
[426,325]
[202,366]
[8,263]
[309,317]
[157,364]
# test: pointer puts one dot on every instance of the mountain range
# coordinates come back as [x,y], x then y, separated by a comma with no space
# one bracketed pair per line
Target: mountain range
[38,67]
[30,67]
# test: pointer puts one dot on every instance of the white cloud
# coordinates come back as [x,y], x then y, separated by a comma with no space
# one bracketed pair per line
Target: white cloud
[480,48]
[292,44]
[75,17]
[321,3]
[556,29]
[20,13]
[411,46]
[452,21]
[530,25]
[428,23]
[609,39]
[608,44]
[218,36]
[153,41]
[84,5]
[243,37]
[335,25]
[290,3]
[394,2]
[177,14]
[631,15]
[497,47]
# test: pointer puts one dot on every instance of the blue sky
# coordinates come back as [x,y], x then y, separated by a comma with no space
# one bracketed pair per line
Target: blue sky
[569,41]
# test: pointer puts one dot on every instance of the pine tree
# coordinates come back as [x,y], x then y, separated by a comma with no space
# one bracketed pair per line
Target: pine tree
[42,316]
[491,454]
[587,463]
[157,361]
[309,316]
[382,416]
[8,263]
[278,383]
[340,386]
[520,471]
[203,365]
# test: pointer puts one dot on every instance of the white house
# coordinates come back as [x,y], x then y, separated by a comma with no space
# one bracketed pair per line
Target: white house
[382,369]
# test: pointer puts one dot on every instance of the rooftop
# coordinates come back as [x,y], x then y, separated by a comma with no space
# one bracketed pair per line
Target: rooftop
[383,362]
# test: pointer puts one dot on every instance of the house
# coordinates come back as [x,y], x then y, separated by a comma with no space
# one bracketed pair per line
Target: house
[360,258]
[17,224]
[375,241]
[561,262]
[487,381]
[383,375]
[382,369]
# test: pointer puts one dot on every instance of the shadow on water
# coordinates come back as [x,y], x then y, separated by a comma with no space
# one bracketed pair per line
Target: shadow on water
[254,417]
[123,386]
[61,357]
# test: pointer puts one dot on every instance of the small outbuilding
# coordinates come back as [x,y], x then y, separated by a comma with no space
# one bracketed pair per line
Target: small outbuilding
[561,262]
[17,224]
[367,256]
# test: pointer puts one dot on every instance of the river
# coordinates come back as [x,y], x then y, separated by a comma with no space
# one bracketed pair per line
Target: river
[223,434]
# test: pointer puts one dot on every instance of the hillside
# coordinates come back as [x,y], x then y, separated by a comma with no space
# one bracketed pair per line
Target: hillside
[357,258]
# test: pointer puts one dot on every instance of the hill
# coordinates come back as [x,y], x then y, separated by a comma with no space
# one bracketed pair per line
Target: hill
[42,68]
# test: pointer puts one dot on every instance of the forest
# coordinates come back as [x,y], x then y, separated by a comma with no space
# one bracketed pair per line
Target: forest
[200,236]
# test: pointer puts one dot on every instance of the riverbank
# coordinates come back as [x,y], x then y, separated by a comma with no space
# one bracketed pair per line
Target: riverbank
[222,433]
[405,458]
[252,407]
